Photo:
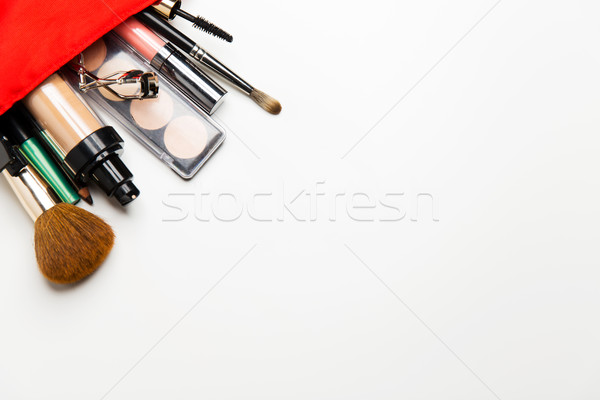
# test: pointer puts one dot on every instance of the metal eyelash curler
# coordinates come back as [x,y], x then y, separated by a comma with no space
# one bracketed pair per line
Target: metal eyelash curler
[147,81]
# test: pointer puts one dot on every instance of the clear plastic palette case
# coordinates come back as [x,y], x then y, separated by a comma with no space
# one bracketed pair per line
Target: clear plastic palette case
[176,130]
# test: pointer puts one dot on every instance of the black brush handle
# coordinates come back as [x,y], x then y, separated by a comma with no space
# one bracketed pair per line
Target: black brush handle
[166,30]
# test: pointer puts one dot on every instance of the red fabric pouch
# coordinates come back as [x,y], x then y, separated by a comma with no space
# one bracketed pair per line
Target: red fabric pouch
[37,37]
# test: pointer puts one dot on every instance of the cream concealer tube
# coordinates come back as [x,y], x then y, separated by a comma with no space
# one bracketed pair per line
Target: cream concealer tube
[88,149]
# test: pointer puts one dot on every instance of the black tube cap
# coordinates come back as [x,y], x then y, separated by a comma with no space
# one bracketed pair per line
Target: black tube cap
[113,177]
[126,193]
[18,124]
[96,158]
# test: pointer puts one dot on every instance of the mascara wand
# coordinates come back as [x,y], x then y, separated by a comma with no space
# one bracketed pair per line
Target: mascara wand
[206,26]
[170,8]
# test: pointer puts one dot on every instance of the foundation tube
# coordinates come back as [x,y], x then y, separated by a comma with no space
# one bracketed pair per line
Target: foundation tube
[89,150]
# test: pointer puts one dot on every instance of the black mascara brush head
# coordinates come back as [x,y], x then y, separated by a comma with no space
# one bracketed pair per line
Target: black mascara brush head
[204,25]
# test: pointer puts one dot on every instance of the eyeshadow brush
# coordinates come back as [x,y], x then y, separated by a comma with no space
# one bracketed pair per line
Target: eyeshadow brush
[186,44]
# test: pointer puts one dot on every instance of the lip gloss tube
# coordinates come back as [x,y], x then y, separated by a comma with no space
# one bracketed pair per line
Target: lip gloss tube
[87,149]
[171,63]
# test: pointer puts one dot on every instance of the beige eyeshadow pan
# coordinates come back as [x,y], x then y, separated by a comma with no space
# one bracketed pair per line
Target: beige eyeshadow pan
[186,137]
[94,56]
[152,113]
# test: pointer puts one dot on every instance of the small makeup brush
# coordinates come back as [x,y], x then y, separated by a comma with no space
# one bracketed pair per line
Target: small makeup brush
[186,44]
[170,8]
[70,243]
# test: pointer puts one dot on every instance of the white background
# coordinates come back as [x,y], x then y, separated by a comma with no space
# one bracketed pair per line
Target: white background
[491,109]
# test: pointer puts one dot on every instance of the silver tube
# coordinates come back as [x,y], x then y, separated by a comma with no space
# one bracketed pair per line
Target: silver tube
[176,68]
[35,195]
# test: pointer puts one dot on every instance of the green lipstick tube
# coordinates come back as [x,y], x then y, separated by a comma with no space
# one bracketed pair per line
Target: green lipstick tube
[19,127]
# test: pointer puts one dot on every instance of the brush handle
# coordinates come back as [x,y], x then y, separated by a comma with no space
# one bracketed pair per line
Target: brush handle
[35,195]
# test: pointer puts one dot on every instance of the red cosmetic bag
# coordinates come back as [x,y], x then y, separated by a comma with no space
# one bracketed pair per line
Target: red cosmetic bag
[37,37]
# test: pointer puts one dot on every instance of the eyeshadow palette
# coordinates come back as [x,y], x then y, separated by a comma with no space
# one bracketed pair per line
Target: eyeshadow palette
[172,126]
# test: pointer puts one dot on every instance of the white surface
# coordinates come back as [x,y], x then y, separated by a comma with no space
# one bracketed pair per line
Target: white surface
[503,288]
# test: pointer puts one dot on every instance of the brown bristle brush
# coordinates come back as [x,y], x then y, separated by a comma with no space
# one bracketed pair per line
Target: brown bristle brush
[265,101]
[70,243]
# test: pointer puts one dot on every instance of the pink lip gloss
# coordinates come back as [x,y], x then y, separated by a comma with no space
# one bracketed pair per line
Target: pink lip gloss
[173,65]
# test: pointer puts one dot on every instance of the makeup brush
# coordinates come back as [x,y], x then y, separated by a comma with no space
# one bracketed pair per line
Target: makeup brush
[170,8]
[70,243]
[186,44]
